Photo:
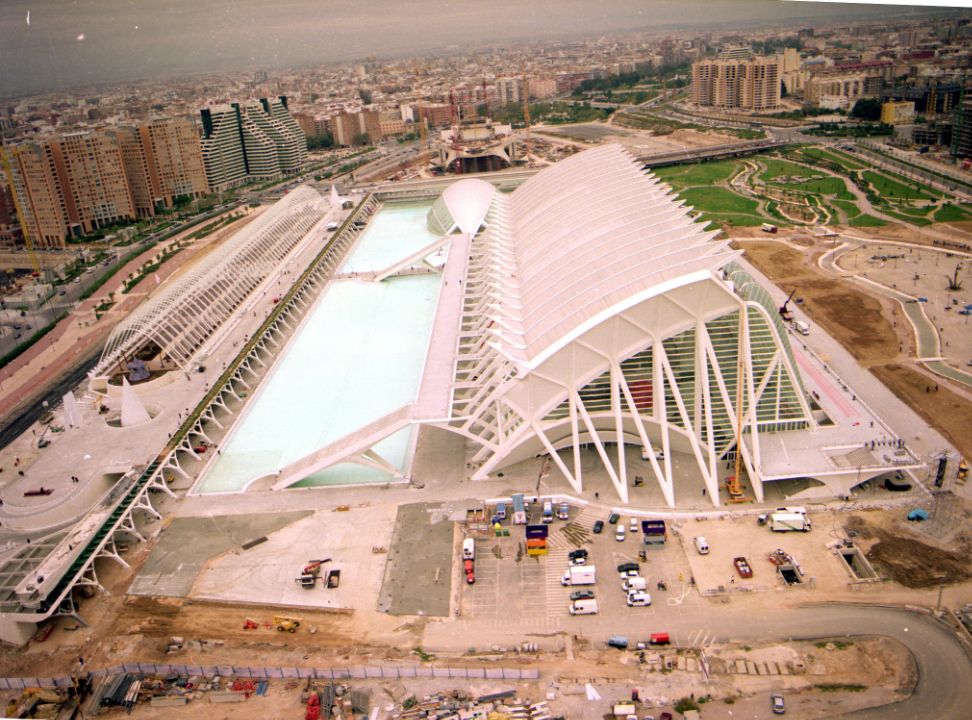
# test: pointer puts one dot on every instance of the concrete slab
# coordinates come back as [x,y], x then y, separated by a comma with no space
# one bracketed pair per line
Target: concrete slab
[188,543]
[420,568]
[267,573]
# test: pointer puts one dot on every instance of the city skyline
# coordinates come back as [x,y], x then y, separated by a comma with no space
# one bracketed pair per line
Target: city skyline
[62,44]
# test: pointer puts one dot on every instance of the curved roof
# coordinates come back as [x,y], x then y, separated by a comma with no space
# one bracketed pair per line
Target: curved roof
[463,204]
[589,234]
[184,314]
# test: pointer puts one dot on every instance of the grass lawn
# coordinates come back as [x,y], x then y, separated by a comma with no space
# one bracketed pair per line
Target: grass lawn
[824,186]
[895,188]
[775,168]
[914,211]
[952,213]
[919,221]
[848,207]
[845,161]
[717,200]
[710,173]
[734,219]
[865,220]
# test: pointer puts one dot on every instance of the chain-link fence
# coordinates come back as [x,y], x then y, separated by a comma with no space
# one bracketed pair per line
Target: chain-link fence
[370,672]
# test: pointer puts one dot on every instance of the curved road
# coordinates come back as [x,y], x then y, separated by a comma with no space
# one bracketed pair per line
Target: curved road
[944,669]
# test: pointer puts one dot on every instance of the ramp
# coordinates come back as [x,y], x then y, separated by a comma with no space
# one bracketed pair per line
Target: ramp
[415,257]
[355,446]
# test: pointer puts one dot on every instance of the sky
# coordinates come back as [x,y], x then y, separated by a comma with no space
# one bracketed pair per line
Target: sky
[82,42]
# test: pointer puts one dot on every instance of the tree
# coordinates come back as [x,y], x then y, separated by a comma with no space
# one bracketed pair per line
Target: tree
[867,109]
[361,139]
[365,96]
[953,281]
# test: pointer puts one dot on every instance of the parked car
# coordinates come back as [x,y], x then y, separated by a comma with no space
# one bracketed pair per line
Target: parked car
[628,567]
[779,707]
[598,527]
[619,535]
[614,518]
[578,553]
[582,595]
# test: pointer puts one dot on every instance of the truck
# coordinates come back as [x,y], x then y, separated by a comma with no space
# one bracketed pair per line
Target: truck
[579,575]
[767,228]
[548,515]
[789,522]
[583,607]
[519,509]
[653,532]
[801,327]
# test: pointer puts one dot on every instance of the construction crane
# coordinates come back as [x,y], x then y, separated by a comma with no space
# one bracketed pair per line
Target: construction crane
[785,312]
[310,573]
[485,102]
[8,172]
[456,126]
[733,483]
[526,126]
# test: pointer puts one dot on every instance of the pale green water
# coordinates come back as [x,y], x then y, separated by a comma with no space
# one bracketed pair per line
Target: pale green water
[358,357]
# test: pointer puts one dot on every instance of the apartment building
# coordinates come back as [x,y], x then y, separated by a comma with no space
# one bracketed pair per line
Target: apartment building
[70,186]
[253,141]
[737,80]
[163,160]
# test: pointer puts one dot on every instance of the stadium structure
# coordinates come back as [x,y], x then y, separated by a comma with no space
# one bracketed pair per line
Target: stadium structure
[590,308]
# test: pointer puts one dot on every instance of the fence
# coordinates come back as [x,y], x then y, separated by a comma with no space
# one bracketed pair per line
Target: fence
[370,672]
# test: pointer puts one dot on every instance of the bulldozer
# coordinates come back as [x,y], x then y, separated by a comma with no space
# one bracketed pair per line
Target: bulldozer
[285,622]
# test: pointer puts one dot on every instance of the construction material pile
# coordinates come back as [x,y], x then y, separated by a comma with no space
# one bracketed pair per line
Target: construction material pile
[457,706]
[128,689]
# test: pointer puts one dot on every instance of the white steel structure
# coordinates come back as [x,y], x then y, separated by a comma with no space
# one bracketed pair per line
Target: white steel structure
[594,310]
[179,320]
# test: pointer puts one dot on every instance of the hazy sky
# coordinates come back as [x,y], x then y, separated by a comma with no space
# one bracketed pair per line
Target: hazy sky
[77,42]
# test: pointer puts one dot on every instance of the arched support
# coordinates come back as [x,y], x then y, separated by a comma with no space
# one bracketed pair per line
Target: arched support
[69,609]
[110,550]
[127,525]
[144,502]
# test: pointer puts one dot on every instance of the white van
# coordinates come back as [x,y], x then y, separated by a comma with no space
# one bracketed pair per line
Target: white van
[801,327]
[634,583]
[469,549]
[619,533]
[583,607]
[702,545]
[332,226]
[639,598]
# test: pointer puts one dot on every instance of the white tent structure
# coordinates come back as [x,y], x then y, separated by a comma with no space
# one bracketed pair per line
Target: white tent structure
[180,318]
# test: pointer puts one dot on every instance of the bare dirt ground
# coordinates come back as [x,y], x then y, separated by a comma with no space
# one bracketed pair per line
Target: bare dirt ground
[851,316]
[910,557]
[872,329]
[947,411]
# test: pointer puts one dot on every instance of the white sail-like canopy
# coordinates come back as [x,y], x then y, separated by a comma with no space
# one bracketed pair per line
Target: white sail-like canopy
[72,413]
[133,412]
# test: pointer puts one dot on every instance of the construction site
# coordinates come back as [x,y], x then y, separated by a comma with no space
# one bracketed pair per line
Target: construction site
[350,596]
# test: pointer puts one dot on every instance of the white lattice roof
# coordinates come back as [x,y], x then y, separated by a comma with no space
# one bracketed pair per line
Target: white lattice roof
[587,237]
[182,316]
